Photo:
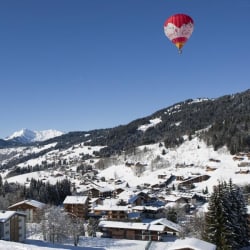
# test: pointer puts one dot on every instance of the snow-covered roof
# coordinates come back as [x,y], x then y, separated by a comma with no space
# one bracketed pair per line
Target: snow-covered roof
[111,208]
[248,209]
[172,198]
[5,215]
[131,225]
[146,208]
[167,223]
[102,189]
[32,203]
[75,199]
[192,243]
[138,208]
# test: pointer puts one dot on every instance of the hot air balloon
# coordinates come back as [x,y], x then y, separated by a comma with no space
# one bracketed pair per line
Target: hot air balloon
[178,28]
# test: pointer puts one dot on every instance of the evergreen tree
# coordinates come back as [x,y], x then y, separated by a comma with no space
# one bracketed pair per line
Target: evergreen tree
[226,222]
[1,185]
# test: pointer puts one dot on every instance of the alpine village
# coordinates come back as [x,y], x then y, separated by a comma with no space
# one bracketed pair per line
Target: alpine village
[178,179]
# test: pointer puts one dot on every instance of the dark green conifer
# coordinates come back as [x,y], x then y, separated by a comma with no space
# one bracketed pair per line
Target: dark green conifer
[226,223]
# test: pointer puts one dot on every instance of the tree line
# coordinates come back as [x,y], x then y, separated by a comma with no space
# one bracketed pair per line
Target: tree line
[45,192]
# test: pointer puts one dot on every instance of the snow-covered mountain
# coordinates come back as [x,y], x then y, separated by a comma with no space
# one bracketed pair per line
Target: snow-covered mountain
[208,138]
[26,135]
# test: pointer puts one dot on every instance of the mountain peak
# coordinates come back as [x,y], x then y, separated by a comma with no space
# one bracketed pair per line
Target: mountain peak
[27,135]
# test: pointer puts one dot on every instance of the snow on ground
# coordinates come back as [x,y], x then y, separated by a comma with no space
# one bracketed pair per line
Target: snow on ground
[153,122]
[86,243]
[72,153]
[39,175]
[190,159]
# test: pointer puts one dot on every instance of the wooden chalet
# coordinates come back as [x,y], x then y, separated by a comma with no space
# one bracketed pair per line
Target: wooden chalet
[102,192]
[12,226]
[112,212]
[31,208]
[152,212]
[195,179]
[131,230]
[169,226]
[77,205]
[139,199]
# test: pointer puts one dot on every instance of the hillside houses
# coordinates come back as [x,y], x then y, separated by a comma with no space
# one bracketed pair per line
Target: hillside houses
[129,209]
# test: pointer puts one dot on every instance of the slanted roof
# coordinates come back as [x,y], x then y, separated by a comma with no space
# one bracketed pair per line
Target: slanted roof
[111,208]
[172,198]
[6,215]
[131,225]
[74,199]
[167,223]
[33,203]
[102,189]
[133,198]
[192,243]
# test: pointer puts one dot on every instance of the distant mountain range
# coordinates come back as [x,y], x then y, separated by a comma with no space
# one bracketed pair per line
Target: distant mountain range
[224,121]
[29,136]
[197,133]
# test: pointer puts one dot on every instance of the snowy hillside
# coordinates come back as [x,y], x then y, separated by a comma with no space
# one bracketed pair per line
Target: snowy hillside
[192,158]
[26,135]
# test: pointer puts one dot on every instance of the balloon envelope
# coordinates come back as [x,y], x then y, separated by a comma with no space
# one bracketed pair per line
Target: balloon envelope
[178,28]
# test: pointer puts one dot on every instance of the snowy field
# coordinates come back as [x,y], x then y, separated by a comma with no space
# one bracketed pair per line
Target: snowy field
[85,244]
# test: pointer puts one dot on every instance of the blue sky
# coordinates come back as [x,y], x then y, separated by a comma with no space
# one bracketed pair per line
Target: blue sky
[87,64]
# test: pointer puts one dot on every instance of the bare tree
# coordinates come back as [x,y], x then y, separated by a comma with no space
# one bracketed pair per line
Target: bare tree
[53,224]
[195,226]
[75,227]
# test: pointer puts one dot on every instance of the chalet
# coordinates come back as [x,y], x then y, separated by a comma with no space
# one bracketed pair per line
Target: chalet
[214,160]
[139,199]
[112,212]
[243,171]
[190,181]
[238,158]
[77,205]
[103,192]
[244,164]
[131,230]
[209,168]
[190,198]
[149,211]
[12,226]
[169,226]
[119,190]
[175,199]
[162,176]
[31,208]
